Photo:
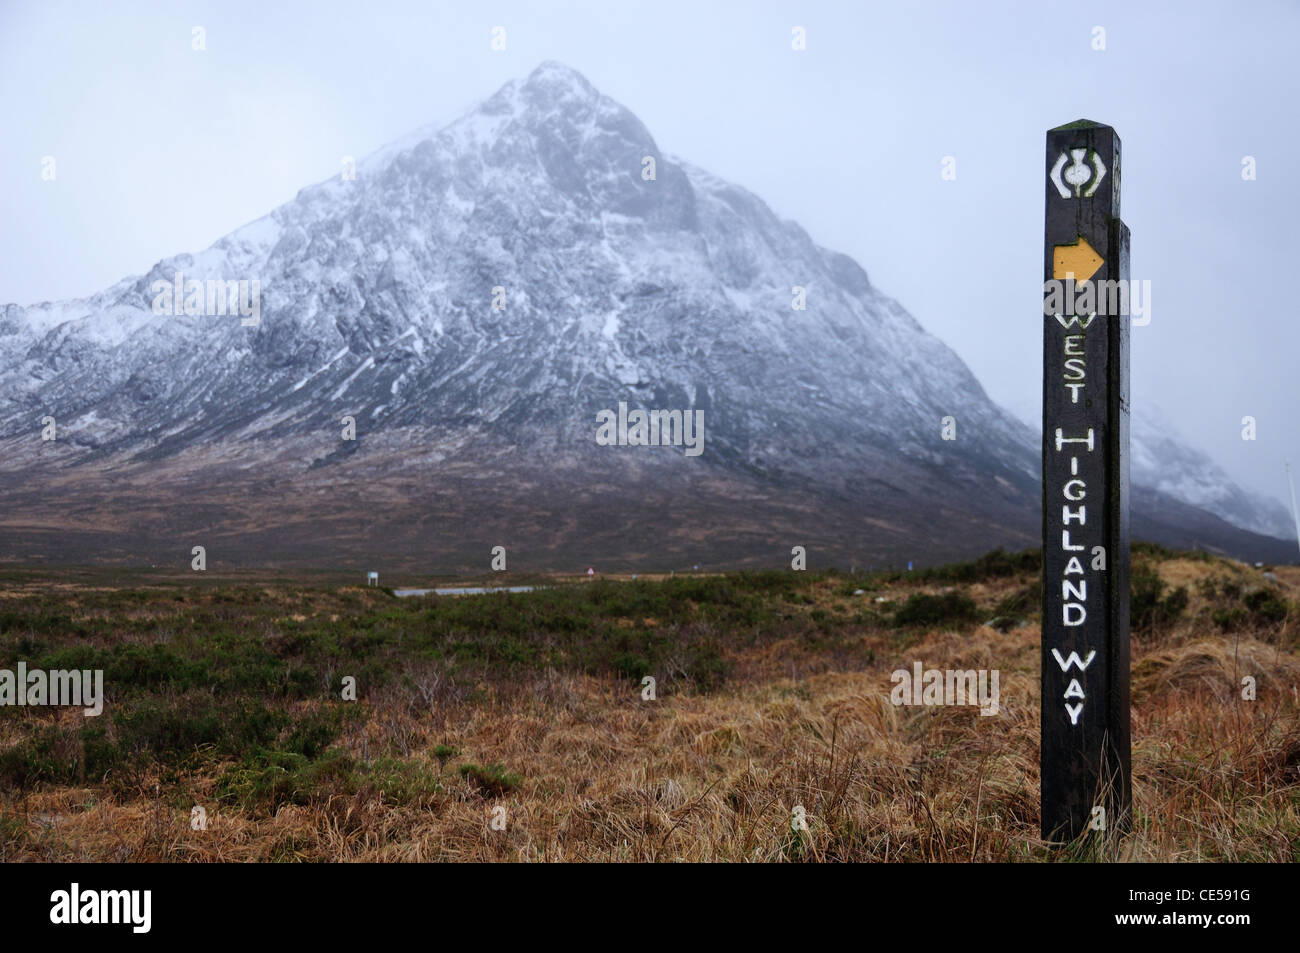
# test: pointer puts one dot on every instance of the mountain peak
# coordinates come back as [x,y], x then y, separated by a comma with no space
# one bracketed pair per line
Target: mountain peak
[552,74]
[556,88]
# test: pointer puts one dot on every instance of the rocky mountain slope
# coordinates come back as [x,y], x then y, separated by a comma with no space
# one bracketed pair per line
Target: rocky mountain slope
[471,301]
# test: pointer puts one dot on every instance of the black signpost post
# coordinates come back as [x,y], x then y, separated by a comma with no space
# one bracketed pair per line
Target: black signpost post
[1085,756]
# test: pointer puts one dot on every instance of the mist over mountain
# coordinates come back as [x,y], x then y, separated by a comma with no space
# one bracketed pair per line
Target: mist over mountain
[468,305]
[1163,459]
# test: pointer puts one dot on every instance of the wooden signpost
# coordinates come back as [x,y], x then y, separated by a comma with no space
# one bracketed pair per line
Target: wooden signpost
[1085,754]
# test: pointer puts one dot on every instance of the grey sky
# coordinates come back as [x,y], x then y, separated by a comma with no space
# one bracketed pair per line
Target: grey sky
[161,149]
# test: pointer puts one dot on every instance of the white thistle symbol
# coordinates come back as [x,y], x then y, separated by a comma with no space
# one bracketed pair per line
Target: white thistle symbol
[1078,172]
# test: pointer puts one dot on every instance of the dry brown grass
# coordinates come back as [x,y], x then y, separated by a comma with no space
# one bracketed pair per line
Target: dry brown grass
[606,776]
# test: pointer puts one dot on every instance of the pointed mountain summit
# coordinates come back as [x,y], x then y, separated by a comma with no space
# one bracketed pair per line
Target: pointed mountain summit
[469,307]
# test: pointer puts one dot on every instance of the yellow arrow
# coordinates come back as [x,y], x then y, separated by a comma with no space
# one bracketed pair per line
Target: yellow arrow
[1079,261]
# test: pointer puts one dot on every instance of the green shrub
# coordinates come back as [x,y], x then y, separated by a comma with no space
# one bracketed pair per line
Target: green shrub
[1157,551]
[706,668]
[996,564]
[493,780]
[315,732]
[400,780]
[1265,606]
[172,728]
[445,753]
[1027,600]
[924,609]
[632,666]
[1149,607]
[1257,607]
[263,780]
[268,779]
[1229,619]
[44,756]
[1175,604]
[853,589]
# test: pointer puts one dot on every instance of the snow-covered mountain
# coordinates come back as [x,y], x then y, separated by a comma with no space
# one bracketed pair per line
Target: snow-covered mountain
[472,300]
[1163,458]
